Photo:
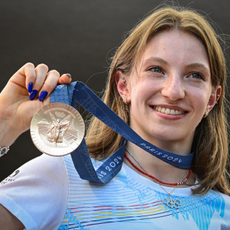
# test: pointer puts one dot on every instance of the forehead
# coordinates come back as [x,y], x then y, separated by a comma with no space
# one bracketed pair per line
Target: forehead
[176,47]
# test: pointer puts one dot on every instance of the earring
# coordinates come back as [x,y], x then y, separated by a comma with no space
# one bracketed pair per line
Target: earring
[205,114]
[124,99]
[217,98]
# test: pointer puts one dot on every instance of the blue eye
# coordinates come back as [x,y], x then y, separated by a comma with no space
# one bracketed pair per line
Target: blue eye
[197,76]
[156,69]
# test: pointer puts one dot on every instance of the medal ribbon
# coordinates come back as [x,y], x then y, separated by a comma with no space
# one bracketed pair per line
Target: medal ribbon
[78,91]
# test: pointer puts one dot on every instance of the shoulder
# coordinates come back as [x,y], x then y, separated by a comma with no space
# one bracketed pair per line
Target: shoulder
[37,192]
[41,170]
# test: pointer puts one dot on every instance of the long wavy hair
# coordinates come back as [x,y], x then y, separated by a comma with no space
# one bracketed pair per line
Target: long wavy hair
[210,140]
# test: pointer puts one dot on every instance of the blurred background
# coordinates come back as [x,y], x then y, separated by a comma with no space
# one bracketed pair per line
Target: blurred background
[77,37]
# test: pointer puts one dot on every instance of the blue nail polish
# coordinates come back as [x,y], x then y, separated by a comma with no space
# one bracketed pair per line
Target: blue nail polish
[43,95]
[30,87]
[68,74]
[33,94]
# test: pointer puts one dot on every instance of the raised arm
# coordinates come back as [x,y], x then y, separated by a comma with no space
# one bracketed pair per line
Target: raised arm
[26,91]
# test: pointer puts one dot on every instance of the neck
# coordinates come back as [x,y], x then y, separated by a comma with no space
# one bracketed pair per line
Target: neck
[181,147]
[156,167]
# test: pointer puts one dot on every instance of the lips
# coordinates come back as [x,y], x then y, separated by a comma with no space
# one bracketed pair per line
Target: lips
[168,110]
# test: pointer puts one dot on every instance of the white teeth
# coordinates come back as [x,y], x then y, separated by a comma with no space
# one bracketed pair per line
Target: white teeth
[173,111]
[169,111]
[178,112]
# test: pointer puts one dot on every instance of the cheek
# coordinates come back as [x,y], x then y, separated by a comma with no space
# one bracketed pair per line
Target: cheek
[200,100]
[143,88]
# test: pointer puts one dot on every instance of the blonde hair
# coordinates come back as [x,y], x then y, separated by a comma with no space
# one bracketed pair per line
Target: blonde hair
[210,141]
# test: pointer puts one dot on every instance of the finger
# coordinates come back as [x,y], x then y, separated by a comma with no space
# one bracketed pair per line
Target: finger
[49,85]
[41,74]
[25,75]
[65,79]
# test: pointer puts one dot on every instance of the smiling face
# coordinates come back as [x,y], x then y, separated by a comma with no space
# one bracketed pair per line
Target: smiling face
[170,90]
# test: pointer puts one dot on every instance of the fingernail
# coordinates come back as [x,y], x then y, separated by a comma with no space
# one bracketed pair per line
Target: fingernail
[30,87]
[33,94]
[43,95]
[68,74]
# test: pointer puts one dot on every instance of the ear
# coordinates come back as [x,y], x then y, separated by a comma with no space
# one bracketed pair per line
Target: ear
[122,86]
[214,98]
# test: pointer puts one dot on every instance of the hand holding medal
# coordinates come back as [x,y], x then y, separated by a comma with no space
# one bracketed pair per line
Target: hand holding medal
[26,91]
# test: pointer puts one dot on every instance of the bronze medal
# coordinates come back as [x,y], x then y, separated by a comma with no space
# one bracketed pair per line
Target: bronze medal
[57,129]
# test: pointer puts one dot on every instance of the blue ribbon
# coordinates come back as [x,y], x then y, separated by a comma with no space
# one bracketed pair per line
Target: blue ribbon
[78,91]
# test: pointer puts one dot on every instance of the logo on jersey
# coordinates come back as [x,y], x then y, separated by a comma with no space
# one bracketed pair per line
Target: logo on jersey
[10,178]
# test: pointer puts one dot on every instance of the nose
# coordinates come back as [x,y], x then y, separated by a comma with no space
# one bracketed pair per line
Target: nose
[173,88]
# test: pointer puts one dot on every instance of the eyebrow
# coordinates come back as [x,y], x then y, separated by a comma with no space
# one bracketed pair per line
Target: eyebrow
[198,65]
[162,61]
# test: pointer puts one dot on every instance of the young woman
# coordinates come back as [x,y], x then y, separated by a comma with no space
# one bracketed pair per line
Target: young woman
[167,82]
